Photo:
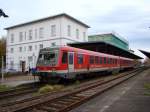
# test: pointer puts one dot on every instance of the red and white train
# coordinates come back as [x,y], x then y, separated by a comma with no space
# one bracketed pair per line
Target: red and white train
[69,62]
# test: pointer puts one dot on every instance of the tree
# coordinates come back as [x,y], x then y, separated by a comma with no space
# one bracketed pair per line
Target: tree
[2,49]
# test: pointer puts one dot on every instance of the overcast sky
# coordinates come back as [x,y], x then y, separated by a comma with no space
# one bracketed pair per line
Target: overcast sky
[129,18]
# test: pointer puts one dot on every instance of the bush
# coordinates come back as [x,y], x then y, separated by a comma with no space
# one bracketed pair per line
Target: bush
[46,89]
[50,88]
[58,87]
[77,82]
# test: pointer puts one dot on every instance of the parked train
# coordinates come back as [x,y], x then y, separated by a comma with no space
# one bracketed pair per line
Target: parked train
[69,62]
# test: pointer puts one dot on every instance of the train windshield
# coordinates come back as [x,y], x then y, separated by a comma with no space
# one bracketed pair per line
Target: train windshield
[49,58]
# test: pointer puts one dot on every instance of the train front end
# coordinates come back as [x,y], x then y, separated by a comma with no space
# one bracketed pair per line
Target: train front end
[48,64]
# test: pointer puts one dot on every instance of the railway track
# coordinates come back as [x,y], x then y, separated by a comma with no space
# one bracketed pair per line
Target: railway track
[67,100]
[18,91]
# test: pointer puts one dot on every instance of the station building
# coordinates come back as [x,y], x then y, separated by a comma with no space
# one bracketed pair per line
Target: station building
[25,40]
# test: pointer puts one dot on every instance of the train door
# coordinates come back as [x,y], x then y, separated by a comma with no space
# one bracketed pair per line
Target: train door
[71,61]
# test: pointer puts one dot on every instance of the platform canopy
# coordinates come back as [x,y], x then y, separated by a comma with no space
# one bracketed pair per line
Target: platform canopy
[104,47]
[145,53]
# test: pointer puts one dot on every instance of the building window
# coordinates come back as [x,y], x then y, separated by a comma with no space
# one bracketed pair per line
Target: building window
[41,46]
[54,44]
[11,64]
[12,50]
[77,33]
[35,33]
[25,35]
[30,59]
[30,48]
[30,34]
[84,36]
[24,48]
[69,30]
[20,49]
[20,36]
[12,38]
[41,30]
[53,30]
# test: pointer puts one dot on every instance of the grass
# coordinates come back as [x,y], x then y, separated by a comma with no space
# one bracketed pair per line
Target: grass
[147,87]
[4,88]
[50,88]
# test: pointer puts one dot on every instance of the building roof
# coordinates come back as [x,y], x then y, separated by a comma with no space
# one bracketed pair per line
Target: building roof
[46,18]
[104,47]
[145,53]
[111,34]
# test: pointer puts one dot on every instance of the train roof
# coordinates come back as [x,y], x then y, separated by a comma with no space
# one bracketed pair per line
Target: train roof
[93,52]
[85,51]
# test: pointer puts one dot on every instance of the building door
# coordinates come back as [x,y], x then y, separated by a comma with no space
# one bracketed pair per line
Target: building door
[23,66]
[71,61]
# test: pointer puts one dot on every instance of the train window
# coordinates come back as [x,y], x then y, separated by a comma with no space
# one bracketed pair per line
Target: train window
[104,60]
[91,59]
[108,60]
[70,58]
[115,61]
[64,58]
[80,58]
[96,60]
[100,60]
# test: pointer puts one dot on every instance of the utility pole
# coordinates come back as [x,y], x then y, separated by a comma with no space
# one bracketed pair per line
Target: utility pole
[2,70]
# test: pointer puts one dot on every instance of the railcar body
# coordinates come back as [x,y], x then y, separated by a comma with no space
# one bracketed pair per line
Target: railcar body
[68,62]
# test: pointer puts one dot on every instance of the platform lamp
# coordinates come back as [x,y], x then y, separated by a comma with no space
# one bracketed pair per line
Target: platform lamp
[3,14]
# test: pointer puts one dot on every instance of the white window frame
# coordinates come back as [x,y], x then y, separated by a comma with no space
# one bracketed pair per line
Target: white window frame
[53,30]
[30,48]
[53,43]
[41,32]
[84,36]
[36,34]
[25,35]
[77,33]
[69,30]
[12,38]
[20,36]
[20,49]
[41,46]
[12,50]
[30,34]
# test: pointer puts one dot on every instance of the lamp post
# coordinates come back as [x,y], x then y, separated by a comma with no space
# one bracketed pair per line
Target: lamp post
[2,70]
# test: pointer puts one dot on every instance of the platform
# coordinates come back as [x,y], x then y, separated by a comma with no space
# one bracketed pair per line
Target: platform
[18,80]
[130,96]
